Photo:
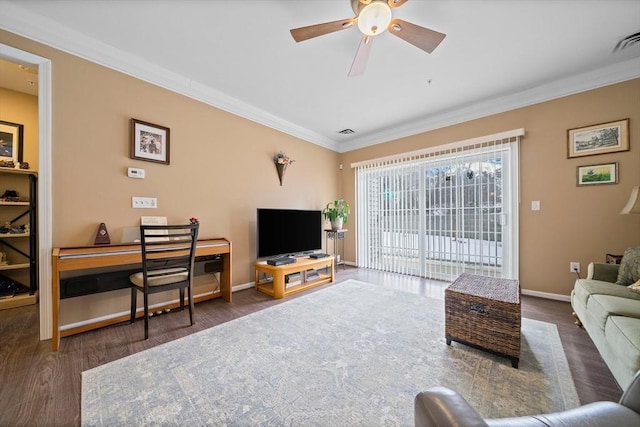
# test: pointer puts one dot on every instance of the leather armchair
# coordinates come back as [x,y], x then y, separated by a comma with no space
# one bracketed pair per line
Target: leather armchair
[440,406]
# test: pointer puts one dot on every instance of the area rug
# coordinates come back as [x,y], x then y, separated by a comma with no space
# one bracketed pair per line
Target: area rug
[351,354]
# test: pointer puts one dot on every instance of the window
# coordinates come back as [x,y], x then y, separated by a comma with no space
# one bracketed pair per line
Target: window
[440,212]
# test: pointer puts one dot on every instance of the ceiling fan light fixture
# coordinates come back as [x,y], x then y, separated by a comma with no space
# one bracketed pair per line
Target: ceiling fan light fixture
[374,18]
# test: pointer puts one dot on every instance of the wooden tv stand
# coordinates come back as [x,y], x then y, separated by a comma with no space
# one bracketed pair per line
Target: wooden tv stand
[276,285]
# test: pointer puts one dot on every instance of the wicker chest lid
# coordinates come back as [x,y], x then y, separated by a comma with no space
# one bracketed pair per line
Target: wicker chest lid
[494,288]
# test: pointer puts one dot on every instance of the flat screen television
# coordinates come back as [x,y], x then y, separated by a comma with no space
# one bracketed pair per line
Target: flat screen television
[288,231]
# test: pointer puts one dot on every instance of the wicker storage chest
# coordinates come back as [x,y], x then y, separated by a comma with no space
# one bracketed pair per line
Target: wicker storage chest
[484,312]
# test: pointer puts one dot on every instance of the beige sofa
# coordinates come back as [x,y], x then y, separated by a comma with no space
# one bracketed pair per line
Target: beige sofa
[610,313]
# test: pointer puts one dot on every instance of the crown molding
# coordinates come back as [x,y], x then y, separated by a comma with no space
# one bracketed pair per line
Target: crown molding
[601,77]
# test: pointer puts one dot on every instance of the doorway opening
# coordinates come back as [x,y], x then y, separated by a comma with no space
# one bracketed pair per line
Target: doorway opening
[44,209]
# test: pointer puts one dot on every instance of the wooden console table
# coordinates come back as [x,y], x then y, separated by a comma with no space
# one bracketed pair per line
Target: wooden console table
[276,286]
[90,257]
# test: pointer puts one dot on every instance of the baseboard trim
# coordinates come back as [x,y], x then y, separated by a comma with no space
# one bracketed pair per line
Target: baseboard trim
[243,286]
[546,295]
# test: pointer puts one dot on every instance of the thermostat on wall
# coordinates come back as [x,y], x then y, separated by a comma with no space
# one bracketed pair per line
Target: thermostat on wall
[135,173]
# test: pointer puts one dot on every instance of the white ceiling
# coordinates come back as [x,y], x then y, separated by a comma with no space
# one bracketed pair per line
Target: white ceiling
[239,56]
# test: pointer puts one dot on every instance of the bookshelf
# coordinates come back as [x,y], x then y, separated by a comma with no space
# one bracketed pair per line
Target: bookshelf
[18,238]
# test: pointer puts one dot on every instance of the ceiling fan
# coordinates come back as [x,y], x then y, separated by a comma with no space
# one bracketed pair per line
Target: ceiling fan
[373,17]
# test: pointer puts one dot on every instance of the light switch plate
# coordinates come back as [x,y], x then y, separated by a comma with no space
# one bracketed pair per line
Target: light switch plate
[144,202]
[535,205]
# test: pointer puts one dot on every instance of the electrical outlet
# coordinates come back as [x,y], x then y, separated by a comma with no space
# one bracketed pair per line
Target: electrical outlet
[574,267]
[144,202]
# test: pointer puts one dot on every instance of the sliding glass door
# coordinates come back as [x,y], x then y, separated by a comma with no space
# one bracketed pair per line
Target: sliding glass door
[440,215]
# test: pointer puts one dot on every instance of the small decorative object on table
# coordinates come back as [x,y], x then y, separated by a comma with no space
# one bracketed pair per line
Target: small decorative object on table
[193,220]
[102,236]
[281,161]
[10,196]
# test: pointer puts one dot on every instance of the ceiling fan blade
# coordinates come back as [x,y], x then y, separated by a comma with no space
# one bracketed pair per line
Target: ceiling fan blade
[305,33]
[362,56]
[396,3]
[418,36]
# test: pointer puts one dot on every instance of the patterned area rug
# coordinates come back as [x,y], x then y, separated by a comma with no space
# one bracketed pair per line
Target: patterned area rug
[350,354]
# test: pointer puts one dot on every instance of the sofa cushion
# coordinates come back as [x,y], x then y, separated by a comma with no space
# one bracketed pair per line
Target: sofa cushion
[604,272]
[623,334]
[629,271]
[603,306]
[584,288]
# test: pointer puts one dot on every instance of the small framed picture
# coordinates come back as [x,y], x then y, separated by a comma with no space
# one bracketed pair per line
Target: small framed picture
[11,141]
[606,173]
[149,142]
[598,139]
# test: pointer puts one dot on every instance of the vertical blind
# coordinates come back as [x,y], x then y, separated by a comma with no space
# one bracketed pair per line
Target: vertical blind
[439,212]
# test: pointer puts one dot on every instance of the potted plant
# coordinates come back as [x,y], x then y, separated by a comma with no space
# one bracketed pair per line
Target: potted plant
[337,212]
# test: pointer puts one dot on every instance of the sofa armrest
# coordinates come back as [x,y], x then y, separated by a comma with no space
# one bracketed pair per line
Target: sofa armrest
[440,406]
[603,272]
[631,396]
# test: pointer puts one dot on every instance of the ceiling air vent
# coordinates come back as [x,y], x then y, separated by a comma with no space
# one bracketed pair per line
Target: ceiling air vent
[627,42]
[347,132]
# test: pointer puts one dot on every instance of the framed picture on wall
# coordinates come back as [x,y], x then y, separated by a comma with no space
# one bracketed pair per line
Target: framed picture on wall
[149,142]
[598,139]
[11,141]
[605,173]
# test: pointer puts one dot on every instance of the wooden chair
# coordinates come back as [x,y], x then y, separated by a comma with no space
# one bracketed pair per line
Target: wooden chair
[168,253]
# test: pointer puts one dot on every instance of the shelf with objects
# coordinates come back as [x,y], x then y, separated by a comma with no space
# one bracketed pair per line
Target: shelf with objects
[305,273]
[337,236]
[18,238]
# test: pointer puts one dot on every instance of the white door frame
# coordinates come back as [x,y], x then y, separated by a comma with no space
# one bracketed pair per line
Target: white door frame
[45,215]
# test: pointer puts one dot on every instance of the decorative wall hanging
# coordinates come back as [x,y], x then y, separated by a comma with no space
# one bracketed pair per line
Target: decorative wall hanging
[149,142]
[598,139]
[606,173]
[281,161]
[11,142]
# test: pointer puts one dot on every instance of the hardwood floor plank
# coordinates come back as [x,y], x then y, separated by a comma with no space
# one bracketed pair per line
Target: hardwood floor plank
[40,387]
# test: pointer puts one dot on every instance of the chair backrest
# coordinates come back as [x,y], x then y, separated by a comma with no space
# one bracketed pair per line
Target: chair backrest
[168,247]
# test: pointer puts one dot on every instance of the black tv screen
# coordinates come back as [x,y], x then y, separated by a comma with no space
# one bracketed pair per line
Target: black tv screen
[288,231]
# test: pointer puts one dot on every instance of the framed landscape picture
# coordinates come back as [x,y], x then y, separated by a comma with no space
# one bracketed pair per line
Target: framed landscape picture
[598,139]
[149,142]
[11,141]
[606,173]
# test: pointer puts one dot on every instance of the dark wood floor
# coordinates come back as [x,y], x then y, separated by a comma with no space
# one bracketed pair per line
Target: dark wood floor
[42,388]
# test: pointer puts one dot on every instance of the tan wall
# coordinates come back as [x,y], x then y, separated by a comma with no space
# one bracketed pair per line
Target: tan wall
[221,166]
[21,108]
[574,223]
[221,171]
